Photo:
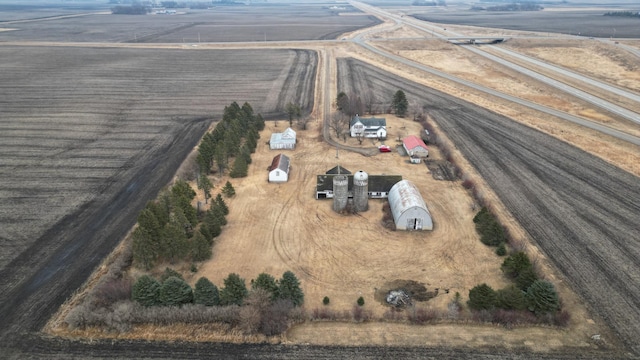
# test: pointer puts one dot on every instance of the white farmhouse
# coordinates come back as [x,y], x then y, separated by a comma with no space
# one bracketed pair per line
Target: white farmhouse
[279,169]
[285,140]
[368,127]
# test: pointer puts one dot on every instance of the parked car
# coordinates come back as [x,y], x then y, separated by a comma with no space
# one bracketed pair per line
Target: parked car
[384,148]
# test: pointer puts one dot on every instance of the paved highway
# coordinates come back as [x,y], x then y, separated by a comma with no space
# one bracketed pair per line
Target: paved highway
[438,32]
[568,117]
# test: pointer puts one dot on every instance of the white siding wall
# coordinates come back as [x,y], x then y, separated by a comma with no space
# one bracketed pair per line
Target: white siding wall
[278,175]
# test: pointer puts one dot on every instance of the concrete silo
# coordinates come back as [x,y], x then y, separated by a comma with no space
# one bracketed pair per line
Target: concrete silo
[361,191]
[340,192]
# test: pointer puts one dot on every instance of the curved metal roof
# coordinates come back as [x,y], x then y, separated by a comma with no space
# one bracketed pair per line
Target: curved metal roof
[403,196]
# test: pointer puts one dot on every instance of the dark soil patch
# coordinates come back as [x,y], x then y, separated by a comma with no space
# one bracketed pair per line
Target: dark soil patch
[442,170]
[417,291]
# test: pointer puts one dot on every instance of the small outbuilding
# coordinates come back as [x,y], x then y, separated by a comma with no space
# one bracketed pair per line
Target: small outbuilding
[279,169]
[408,208]
[285,140]
[414,146]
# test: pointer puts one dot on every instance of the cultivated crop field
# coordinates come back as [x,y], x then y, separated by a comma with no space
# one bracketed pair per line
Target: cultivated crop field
[565,21]
[88,135]
[220,24]
[581,211]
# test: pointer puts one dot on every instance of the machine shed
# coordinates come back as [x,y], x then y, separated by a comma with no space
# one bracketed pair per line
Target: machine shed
[408,208]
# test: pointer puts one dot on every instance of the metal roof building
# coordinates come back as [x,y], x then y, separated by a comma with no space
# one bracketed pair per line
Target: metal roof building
[415,146]
[283,140]
[408,208]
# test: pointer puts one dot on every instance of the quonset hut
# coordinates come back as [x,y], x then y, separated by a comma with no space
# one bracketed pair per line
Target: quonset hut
[408,208]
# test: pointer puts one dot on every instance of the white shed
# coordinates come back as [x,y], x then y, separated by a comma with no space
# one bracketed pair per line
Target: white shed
[279,169]
[408,208]
[284,140]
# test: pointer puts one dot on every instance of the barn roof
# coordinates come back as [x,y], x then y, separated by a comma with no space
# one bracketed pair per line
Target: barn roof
[412,142]
[280,161]
[338,170]
[376,183]
[369,122]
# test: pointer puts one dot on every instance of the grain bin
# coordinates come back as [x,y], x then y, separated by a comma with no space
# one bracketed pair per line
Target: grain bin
[340,192]
[361,191]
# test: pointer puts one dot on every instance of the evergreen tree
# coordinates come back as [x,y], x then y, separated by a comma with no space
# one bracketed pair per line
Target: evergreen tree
[542,297]
[205,185]
[526,278]
[228,190]
[147,222]
[292,110]
[511,298]
[222,205]
[206,293]
[259,123]
[200,247]
[234,291]
[240,168]
[514,264]
[400,104]
[482,297]
[146,291]
[289,288]
[174,244]
[221,157]
[169,272]
[145,248]
[175,292]
[266,282]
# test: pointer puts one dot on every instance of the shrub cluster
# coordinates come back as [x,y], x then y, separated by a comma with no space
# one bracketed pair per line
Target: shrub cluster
[528,294]
[269,307]
[490,230]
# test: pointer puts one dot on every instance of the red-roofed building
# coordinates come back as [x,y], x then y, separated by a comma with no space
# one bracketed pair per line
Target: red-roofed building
[279,169]
[414,146]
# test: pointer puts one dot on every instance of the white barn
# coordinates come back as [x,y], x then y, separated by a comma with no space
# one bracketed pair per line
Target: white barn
[368,127]
[408,208]
[285,140]
[279,169]
[414,146]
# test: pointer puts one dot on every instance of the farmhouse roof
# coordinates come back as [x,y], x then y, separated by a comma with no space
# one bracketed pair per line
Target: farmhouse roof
[412,142]
[280,161]
[369,122]
[338,170]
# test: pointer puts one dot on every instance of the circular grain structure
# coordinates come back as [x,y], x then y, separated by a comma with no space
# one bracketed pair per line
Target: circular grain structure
[408,208]
[340,192]
[361,191]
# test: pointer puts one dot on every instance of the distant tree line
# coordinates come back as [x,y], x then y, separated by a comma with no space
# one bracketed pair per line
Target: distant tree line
[623,13]
[130,10]
[429,3]
[524,6]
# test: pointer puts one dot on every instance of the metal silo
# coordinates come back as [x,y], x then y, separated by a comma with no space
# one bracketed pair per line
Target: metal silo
[340,192]
[361,191]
